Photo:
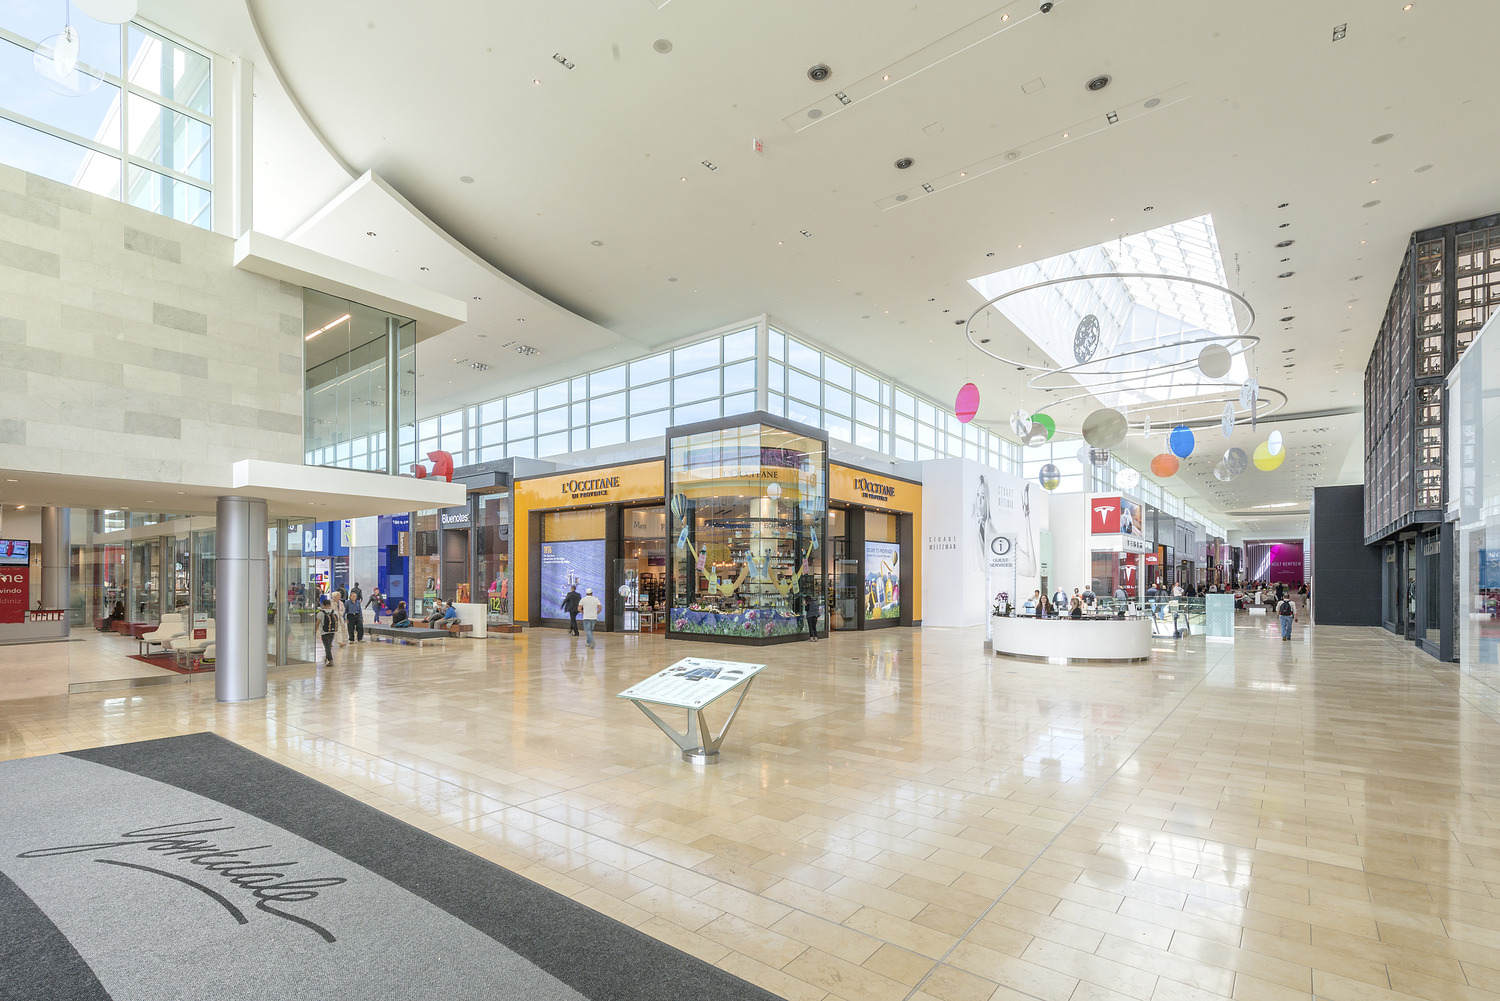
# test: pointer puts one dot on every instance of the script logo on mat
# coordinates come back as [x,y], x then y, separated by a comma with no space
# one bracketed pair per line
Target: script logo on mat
[267,883]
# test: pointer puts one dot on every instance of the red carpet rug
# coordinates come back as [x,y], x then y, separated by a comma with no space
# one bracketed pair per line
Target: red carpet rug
[166,660]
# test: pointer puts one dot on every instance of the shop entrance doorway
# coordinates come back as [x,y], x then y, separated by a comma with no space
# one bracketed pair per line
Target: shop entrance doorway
[640,598]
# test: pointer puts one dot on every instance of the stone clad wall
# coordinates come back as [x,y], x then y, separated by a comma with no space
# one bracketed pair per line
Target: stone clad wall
[131,347]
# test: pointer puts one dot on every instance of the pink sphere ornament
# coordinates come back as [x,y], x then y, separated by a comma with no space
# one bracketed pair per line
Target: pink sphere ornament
[967,404]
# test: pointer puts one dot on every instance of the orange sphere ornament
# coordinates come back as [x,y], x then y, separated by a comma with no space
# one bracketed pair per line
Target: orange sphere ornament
[1165,465]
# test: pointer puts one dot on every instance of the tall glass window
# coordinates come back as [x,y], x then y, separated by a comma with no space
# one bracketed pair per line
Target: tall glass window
[350,399]
[747,520]
[133,120]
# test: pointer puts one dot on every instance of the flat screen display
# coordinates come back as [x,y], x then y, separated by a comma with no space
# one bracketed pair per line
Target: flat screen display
[15,552]
[568,563]
[882,580]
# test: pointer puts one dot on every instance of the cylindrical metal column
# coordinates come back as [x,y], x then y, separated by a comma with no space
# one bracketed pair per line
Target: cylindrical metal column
[240,567]
[392,393]
[56,576]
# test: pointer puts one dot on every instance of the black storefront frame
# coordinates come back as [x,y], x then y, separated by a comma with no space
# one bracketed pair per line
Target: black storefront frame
[854,532]
[765,419]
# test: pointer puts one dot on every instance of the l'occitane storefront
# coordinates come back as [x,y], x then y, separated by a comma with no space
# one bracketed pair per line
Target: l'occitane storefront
[602,528]
[874,523]
[606,528]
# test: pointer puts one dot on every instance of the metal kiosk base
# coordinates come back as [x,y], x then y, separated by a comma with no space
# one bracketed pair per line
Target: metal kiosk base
[693,684]
[697,746]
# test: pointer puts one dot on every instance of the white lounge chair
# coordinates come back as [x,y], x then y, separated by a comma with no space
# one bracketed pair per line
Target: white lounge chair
[167,629]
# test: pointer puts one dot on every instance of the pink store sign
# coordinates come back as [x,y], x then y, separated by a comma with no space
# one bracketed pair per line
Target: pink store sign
[1277,562]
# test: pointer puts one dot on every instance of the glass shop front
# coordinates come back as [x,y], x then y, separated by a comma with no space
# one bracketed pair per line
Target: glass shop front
[748,530]
[875,579]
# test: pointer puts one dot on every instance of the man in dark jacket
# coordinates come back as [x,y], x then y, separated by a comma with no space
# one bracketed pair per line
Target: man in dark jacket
[570,605]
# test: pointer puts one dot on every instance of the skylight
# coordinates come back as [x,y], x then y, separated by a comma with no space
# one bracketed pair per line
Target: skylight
[1075,322]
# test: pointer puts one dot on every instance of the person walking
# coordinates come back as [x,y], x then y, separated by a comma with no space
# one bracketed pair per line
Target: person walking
[1288,613]
[340,625]
[811,607]
[327,626]
[377,602]
[354,612]
[570,604]
[589,608]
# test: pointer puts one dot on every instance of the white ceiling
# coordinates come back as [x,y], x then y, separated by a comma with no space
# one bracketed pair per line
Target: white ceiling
[1261,108]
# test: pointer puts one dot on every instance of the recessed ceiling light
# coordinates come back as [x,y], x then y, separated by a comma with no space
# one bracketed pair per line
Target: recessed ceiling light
[1286,274]
[1423,169]
[1287,319]
[1286,243]
[662,45]
[1283,205]
[1149,208]
[885,76]
[369,232]
[467,179]
[476,298]
[1408,6]
[1065,135]
[596,243]
[426,268]
[1374,180]
[671,279]
[1370,204]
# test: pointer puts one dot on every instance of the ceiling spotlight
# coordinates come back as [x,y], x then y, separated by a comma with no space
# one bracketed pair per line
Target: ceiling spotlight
[709,164]
[1149,208]
[662,45]
[1099,82]
[1286,274]
[369,232]
[596,243]
[1408,6]
[476,298]
[819,73]
[558,58]
[904,163]
[479,366]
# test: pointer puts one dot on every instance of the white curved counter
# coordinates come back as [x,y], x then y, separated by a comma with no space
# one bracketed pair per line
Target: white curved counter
[1073,639]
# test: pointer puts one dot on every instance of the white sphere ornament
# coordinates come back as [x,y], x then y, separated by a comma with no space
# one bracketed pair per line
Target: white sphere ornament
[1127,478]
[1020,423]
[1273,443]
[773,490]
[1214,361]
[1236,461]
[1226,423]
[1249,394]
[1105,428]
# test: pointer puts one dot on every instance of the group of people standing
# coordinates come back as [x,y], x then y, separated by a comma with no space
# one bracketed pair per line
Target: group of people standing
[341,619]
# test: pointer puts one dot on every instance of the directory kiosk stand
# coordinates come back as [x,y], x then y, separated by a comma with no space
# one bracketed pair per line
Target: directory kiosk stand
[693,683]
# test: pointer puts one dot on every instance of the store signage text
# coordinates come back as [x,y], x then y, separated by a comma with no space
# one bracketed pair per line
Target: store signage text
[600,487]
[15,591]
[938,542]
[455,519]
[874,491]
[1104,516]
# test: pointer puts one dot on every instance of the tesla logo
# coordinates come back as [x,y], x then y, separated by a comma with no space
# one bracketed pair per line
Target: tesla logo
[442,466]
[1000,545]
[1106,516]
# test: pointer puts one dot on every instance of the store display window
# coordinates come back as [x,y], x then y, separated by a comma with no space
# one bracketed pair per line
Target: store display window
[882,592]
[747,521]
[572,556]
[492,556]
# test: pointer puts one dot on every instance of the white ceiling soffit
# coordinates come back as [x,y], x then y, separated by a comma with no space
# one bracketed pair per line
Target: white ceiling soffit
[290,490]
[373,226]
[288,262]
[345,493]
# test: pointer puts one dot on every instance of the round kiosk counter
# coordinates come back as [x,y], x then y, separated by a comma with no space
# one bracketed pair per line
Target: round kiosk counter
[1102,639]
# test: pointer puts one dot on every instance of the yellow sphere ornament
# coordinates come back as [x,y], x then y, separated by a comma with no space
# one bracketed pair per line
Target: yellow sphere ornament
[1265,461]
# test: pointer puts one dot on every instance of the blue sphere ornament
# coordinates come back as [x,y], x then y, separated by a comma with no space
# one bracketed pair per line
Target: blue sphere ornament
[1180,441]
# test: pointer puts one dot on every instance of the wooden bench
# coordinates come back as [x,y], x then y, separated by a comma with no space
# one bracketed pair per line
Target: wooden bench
[504,629]
[416,634]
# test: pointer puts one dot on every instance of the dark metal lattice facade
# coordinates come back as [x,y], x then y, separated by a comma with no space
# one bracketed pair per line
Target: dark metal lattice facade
[1448,285]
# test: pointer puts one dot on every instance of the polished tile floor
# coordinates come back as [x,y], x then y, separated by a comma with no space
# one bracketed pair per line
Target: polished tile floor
[900,816]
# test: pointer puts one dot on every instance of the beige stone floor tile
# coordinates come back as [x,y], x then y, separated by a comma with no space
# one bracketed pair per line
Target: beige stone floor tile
[1012,830]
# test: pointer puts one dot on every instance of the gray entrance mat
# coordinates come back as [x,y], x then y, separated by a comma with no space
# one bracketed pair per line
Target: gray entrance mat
[190,867]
